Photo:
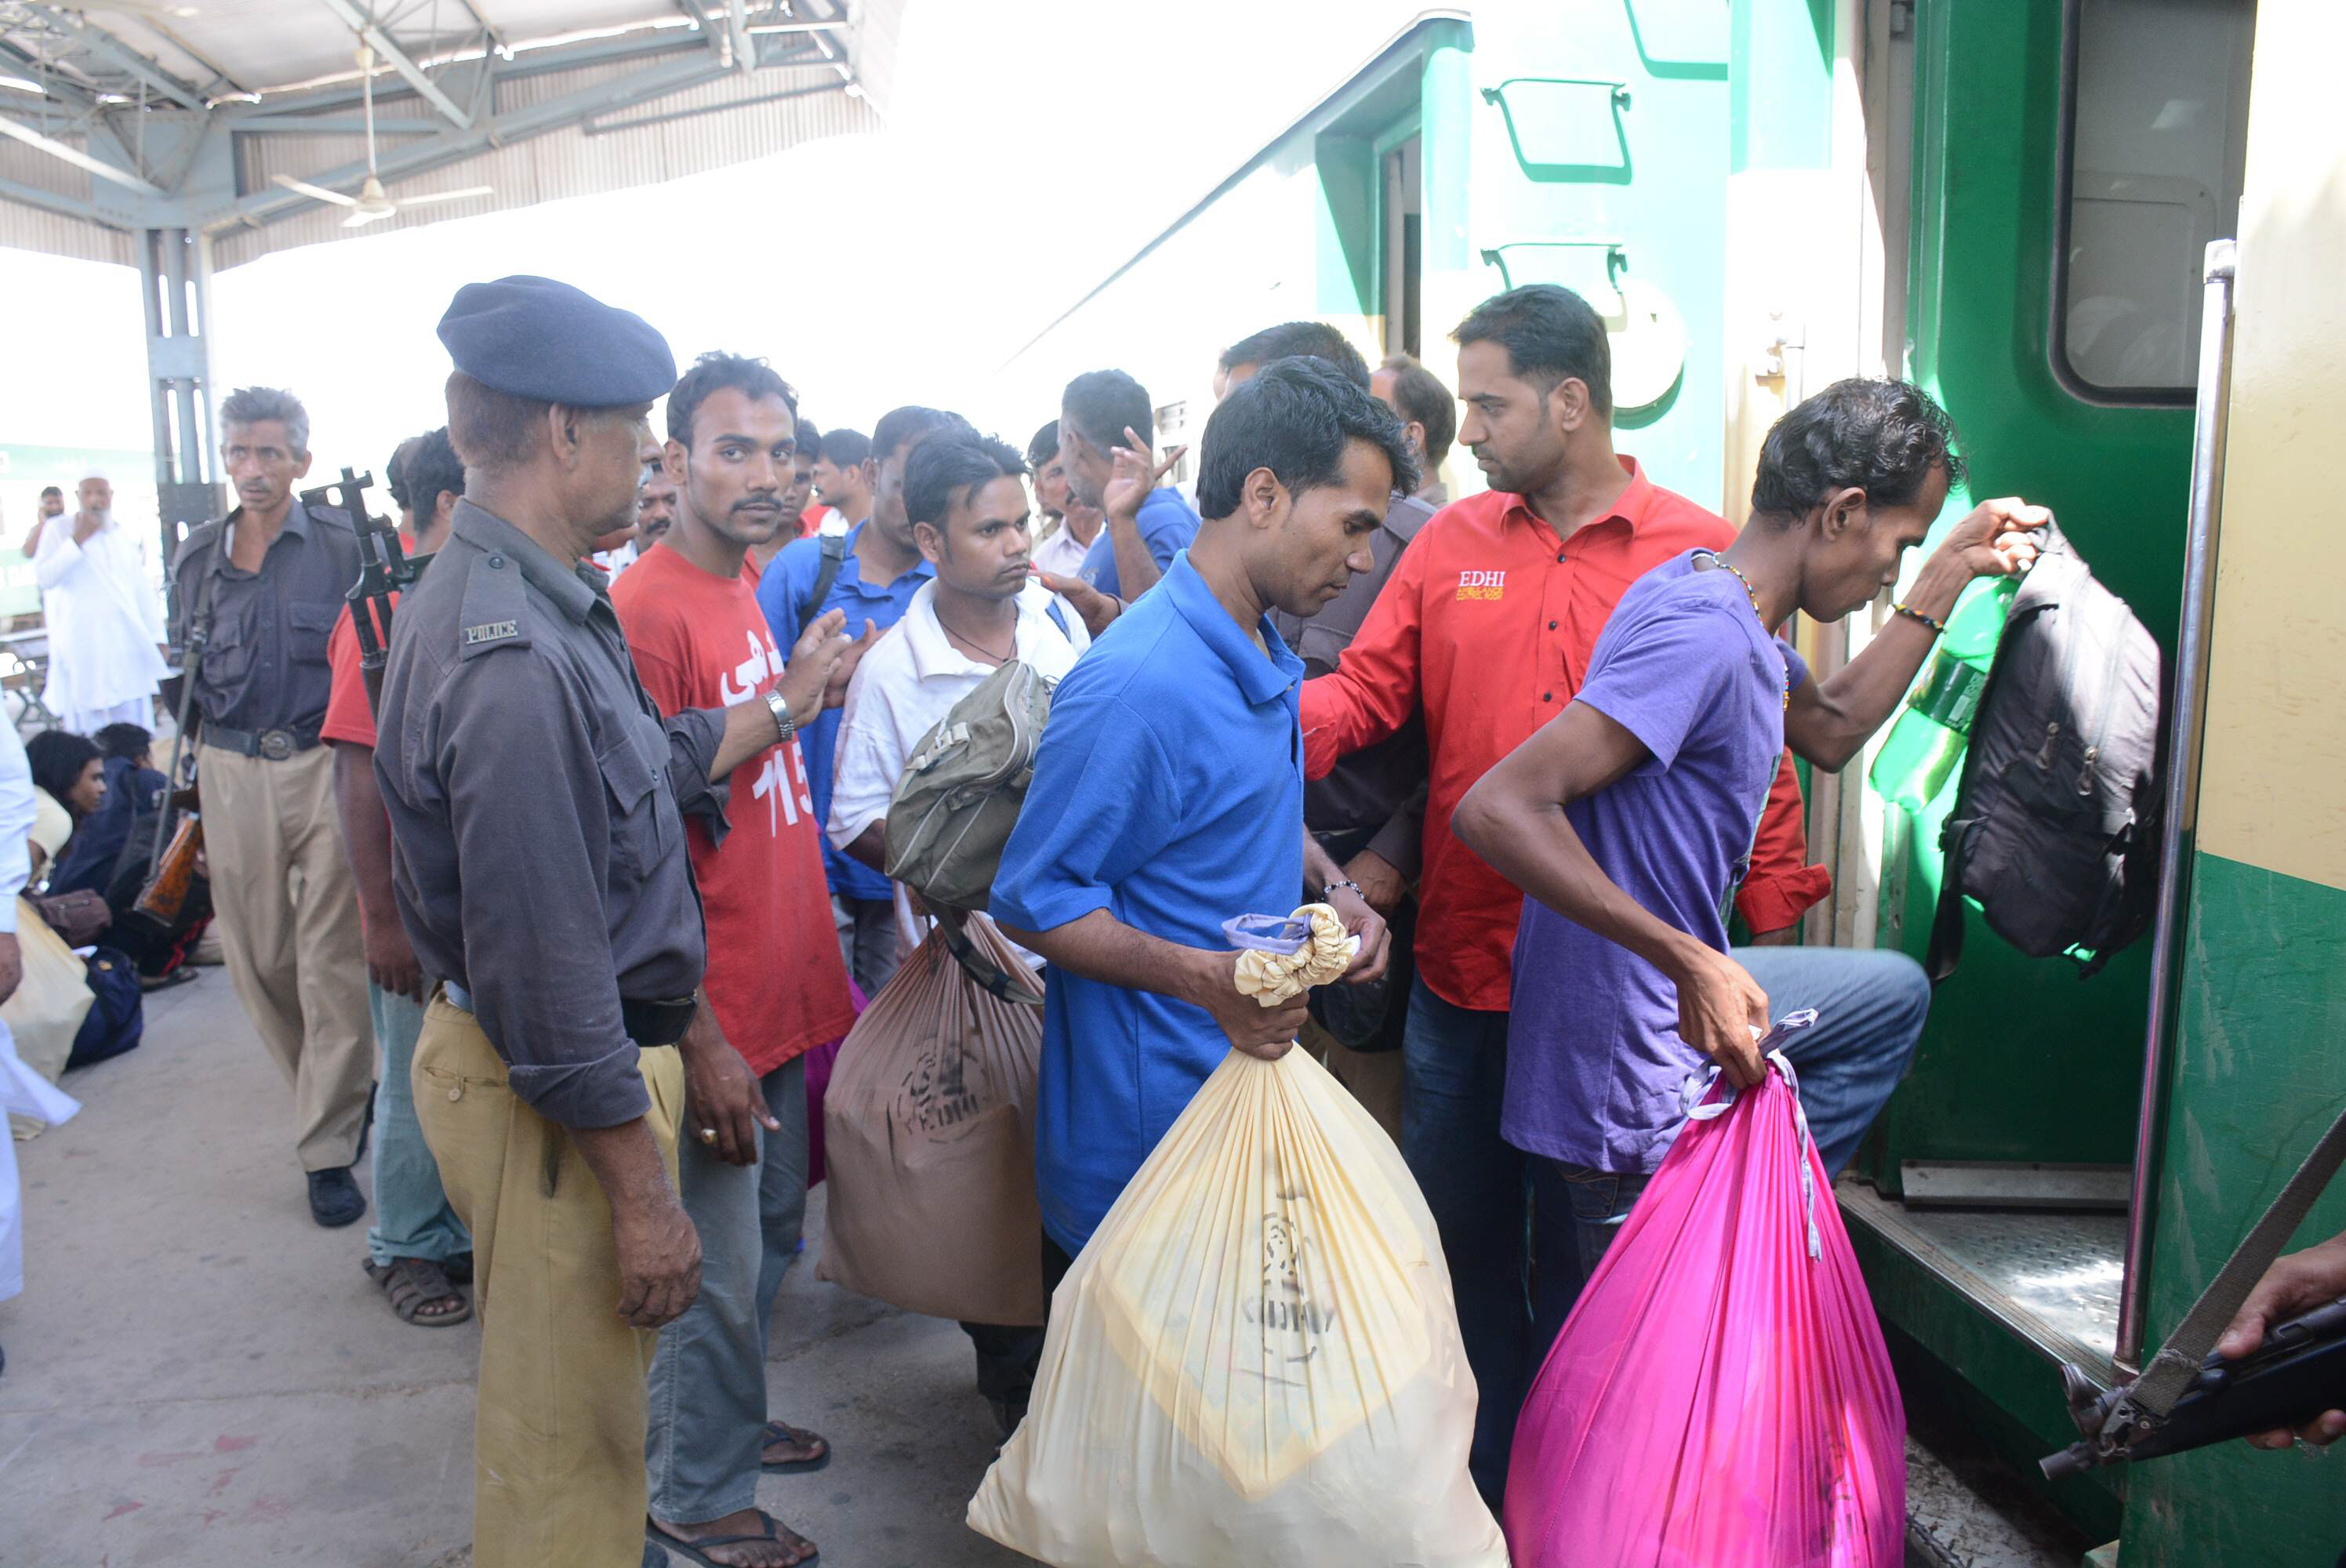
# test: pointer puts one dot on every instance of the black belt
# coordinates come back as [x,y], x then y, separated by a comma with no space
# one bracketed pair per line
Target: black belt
[268,745]
[651,1023]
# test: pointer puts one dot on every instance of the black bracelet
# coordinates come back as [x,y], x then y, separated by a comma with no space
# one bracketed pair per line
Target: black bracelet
[1938,628]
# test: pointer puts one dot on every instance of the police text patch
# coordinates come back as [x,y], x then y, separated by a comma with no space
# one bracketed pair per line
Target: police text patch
[491,632]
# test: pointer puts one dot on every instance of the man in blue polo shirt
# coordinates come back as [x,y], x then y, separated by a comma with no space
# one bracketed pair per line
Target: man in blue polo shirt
[1168,791]
[1100,412]
[873,578]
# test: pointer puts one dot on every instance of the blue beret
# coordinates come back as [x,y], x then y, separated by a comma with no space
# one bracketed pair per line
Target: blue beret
[535,337]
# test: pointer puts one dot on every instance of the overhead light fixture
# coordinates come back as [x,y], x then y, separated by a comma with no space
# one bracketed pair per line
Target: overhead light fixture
[854,89]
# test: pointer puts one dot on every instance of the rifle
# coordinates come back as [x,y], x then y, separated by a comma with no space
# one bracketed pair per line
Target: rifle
[384,569]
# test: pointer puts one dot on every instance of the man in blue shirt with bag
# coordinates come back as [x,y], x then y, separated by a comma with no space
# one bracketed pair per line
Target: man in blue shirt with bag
[872,574]
[1168,791]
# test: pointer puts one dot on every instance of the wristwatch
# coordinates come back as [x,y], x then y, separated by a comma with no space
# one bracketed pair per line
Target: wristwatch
[779,706]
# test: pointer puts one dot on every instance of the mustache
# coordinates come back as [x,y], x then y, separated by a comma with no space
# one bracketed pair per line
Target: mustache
[758,498]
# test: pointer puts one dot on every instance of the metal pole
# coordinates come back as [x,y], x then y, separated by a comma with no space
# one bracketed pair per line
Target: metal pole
[2187,720]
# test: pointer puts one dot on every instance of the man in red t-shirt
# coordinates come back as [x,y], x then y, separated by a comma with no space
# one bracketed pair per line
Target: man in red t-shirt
[776,981]
[417,1249]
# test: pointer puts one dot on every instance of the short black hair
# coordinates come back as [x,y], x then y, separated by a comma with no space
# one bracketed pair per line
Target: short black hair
[1425,399]
[899,425]
[432,467]
[127,742]
[1294,418]
[809,438]
[950,461]
[1312,340]
[1551,335]
[58,757]
[49,490]
[394,475]
[845,448]
[1043,447]
[1102,404]
[1880,435]
[717,370]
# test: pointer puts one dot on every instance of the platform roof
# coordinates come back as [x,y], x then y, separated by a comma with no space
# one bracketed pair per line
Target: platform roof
[159,114]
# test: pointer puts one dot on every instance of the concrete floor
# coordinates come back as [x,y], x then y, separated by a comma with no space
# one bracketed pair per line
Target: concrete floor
[200,1376]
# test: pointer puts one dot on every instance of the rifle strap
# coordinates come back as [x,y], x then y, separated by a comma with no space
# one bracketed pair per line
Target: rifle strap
[2170,1371]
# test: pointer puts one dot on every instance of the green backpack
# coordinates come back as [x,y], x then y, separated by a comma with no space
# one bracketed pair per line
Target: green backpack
[959,798]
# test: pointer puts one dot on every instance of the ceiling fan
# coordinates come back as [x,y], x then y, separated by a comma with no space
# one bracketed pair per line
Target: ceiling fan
[370,204]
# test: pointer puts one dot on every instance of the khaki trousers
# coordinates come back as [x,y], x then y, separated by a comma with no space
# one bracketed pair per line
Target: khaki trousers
[558,1438]
[289,923]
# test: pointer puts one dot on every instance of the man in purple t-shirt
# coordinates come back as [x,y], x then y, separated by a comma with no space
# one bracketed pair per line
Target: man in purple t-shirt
[1628,818]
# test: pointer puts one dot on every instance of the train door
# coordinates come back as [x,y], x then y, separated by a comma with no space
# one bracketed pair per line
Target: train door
[2071,158]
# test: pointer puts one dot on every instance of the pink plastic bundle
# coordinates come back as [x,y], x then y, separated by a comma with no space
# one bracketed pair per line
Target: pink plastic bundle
[1721,1396]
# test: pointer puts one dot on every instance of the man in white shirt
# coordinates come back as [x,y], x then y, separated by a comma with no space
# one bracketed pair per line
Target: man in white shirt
[964,495]
[1069,526]
[104,625]
[844,470]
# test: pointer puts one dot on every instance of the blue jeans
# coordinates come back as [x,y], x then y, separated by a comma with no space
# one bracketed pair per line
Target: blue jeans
[1455,1077]
[706,1430]
[1871,1003]
[412,1216]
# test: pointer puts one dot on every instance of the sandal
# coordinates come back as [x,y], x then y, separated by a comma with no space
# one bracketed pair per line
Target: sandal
[782,1432]
[414,1283]
[697,1550]
[180,976]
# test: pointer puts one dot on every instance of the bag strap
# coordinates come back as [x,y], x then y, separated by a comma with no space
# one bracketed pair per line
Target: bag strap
[2170,1371]
[834,551]
[1946,949]
[988,974]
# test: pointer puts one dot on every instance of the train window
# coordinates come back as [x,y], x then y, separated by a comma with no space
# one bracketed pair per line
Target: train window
[2157,133]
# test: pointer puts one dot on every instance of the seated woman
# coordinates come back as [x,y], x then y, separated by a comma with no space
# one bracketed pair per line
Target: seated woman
[69,783]
[93,861]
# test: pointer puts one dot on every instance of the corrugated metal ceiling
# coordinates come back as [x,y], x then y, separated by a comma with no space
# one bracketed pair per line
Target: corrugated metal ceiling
[207,101]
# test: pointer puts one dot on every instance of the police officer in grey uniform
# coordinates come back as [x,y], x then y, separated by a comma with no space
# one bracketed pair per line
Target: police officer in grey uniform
[535,797]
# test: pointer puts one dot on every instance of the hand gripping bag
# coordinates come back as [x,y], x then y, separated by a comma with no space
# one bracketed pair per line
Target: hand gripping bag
[928,1142]
[1720,1395]
[1255,1360]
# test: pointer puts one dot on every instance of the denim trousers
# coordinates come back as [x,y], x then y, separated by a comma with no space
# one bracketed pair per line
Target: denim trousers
[1455,1078]
[412,1216]
[1871,1004]
[707,1427]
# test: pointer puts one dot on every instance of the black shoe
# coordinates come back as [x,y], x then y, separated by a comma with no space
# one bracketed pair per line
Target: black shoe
[1007,1414]
[334,1197]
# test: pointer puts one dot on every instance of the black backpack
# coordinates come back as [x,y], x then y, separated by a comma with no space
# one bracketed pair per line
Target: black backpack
[2056,825]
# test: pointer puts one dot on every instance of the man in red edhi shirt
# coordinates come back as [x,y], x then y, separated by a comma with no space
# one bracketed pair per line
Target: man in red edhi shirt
[775,982]
[1487,627]
[417,1249]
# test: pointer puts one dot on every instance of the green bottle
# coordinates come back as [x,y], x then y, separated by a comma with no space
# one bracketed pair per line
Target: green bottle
[1927,741]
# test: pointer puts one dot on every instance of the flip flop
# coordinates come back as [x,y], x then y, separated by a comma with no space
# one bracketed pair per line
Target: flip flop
[782,1432]
[695,1549]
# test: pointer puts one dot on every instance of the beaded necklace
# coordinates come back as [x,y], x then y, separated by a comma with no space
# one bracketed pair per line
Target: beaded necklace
[1752,593]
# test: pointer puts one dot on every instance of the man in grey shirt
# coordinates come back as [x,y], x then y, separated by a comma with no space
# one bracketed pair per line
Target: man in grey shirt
[266,583]
[537,801]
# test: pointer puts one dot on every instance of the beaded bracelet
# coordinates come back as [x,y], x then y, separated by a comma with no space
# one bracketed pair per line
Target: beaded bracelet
[1342,882]
[1938,628]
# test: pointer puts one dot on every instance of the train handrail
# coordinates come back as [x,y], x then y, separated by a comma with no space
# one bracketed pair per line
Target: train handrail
[2188,721]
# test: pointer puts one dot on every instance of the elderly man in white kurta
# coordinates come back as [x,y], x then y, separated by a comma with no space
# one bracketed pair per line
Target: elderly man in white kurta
[104,625]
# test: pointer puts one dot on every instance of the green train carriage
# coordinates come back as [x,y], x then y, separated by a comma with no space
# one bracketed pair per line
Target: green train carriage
[2009,202]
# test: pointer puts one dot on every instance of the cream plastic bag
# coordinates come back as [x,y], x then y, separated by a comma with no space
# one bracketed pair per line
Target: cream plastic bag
[1255,1360]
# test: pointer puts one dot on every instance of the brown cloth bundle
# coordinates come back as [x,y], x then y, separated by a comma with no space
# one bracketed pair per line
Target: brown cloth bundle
[928,1130]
